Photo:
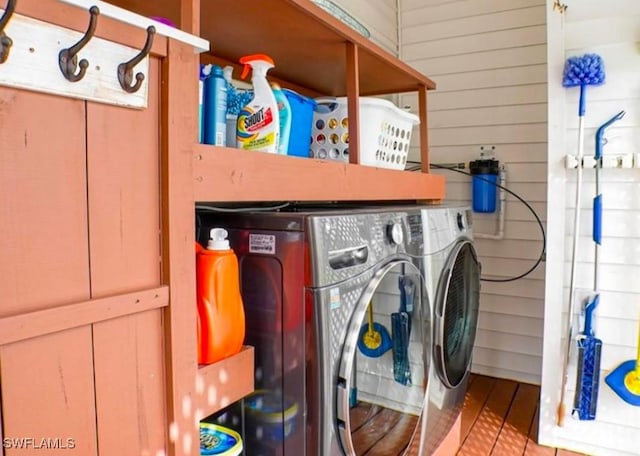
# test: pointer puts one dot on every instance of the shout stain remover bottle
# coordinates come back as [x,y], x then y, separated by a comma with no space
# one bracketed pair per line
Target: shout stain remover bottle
[259,120]
[220,309]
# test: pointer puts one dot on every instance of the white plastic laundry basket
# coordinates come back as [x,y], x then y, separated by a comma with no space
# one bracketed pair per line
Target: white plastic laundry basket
[385,132]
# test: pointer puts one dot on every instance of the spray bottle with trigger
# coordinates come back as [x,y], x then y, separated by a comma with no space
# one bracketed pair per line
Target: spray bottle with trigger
[258,121]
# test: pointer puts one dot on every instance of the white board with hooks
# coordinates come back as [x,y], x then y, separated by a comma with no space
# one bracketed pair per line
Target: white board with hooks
[32,63]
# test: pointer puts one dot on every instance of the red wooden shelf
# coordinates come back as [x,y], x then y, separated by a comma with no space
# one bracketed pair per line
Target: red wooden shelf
[307,44]
[223,383]
[233,175]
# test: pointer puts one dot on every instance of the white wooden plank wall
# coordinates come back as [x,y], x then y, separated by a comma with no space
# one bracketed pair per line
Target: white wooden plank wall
[612,30]
[380,17]
[488,59]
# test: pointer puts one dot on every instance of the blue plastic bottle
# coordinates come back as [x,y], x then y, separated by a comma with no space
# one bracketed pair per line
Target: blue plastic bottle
[483,181]
[284,112]
[215,106]
[201,79]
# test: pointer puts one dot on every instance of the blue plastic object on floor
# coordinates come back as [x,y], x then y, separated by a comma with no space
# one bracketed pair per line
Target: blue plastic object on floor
[219,441]
[616,381]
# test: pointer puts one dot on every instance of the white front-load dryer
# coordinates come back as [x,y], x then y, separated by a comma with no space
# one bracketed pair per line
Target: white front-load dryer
[452,271]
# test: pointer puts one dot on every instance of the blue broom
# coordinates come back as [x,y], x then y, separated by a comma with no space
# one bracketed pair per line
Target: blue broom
[580,72]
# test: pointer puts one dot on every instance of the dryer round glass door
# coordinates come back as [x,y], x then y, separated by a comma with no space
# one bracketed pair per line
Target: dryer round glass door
[383,367]
[457,303]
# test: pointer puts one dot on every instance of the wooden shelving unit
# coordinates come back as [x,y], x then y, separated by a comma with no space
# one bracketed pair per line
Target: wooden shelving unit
[315,54]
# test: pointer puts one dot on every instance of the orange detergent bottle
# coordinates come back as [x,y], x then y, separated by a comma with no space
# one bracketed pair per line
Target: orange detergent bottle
[220,310]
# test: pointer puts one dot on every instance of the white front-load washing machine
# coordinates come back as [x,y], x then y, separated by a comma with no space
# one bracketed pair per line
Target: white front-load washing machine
[452,272]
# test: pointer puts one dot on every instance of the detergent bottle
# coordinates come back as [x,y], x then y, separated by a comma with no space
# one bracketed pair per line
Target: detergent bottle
[284,114]
[258,121]
[232,108]
[220,310]
[215,106]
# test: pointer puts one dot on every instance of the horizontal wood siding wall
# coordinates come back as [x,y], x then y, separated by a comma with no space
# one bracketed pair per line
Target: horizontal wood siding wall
[488,59]
[612,30]
[380,17]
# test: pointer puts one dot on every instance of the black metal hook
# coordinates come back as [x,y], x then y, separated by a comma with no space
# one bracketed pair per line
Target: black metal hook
[5,41]
[68,58]
[125,70]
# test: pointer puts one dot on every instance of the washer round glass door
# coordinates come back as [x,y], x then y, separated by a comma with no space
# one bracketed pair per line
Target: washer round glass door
[457,303]
[383,368]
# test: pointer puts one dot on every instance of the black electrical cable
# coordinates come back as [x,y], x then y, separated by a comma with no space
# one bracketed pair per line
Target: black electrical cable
[544,236]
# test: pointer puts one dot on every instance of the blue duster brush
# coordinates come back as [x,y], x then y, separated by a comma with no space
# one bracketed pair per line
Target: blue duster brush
[580,72]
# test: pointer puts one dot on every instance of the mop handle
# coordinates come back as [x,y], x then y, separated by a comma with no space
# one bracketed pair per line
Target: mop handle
[370,329]
[597,201]
[574,256]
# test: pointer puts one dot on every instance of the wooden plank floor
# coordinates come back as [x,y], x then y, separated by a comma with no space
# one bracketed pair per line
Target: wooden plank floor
[377,431]
[500,418]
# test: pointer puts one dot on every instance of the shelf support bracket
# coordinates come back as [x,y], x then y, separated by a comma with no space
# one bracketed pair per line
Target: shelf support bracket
[424,131]
[190,16]
[353,95]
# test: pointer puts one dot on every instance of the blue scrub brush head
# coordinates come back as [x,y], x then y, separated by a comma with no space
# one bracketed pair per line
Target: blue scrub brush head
[583,71]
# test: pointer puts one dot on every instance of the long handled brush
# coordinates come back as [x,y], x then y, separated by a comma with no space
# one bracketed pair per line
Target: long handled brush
[580,72]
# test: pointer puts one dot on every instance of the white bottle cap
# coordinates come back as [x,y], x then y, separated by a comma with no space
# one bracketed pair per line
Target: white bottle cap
[218,239]
[228,73]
